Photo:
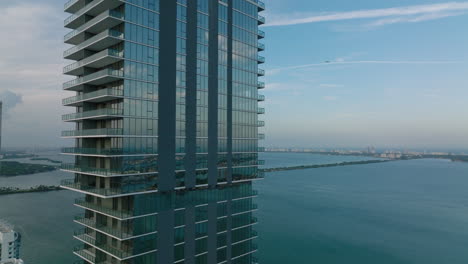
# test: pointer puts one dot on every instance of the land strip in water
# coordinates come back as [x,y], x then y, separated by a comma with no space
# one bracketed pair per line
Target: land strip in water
[316,166]
[14,168]
[40,188]
[47,159]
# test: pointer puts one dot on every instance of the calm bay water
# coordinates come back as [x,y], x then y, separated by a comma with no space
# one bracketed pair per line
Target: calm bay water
[398,212]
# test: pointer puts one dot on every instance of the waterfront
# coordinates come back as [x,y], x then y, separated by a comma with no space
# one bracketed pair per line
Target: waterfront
[398,212]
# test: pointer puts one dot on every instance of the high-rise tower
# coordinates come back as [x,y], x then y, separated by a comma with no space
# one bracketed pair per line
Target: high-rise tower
[166,129]
[10,242]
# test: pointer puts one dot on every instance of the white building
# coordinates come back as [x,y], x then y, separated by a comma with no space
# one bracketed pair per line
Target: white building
[10,242]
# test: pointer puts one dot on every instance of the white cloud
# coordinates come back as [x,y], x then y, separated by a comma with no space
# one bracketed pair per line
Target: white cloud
[31,65]
[416,13]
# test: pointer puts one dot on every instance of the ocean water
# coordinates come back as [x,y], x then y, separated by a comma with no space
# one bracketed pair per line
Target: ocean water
[405,212]
[45,221]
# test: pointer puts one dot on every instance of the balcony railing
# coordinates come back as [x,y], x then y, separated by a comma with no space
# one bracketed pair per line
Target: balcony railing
[97,56]
[121,214]
[119,253]
[261,162]
[94,113]
[261,98]
[261,5]
[85,254]
[261,136]
[106,152]
[109,92]
[261,85]
[261,59]
[261,149]
[261,34]
[93,132]
[239,209]
[84,44]
[93,76]
[68,4]
[105,172]
[260,123]
[120,234]
[81,12]
[107,192]
[80,29]
[261,46]
[261,72]
[261,20]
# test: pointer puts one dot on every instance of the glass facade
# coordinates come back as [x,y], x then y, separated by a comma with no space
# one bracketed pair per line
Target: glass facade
[166,129]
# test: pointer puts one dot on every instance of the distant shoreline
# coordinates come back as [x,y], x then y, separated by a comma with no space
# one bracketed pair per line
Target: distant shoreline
[40,188]
[452,157]
[317,166]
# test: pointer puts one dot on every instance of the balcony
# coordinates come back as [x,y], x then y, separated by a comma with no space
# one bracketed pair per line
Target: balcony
[97,78]
[248,178]
[94,8]
[261,20]
[120,254]
[261,34]
[261,136]
[261,59]
[242,209]
[260,123]
[105,152]
[99,114]
[108,19]
[98,42]
[105,172]
[98,96]
[261,162]
[261,85]
[73,185]
[120,214]
[96,61]
[119,234]
[73,6]
[85,254]
[261,5]
[261,72]
[261,47]
[100,132]
[261,98]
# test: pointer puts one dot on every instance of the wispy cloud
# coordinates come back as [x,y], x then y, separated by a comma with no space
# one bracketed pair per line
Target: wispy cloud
[416,13]
[331,85]
[342,62]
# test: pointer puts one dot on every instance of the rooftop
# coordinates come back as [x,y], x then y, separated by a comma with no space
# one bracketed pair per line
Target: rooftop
[5,227]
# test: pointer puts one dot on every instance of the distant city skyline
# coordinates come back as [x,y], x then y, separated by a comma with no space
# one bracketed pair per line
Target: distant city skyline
[339,73]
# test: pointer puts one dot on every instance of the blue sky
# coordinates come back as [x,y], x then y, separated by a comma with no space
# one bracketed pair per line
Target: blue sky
[397,77]
[339,73]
